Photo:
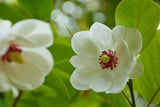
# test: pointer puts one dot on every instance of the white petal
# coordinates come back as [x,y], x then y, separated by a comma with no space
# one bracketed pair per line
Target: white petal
[5,25]
[102,36]
[4,43]
[134,40]
[30,75]
[137,70]
[158,27]
[102,81]
[119,33]
[121,72]
[80,61]
[3,48]
[82,78]
[76,81]
[119,81]
[15,92]
[125,59]
[82,44]
[98,80]
[36,31]
[4,83]
[122,50]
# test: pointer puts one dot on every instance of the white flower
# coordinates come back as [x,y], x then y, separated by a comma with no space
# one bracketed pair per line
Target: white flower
[106,58]
[64,22]
[24,59]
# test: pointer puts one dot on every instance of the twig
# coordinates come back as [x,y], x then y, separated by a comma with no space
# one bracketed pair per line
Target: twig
[74,97]
[69,31]
[17,99]
[126,98]
[153,96]
[130,85]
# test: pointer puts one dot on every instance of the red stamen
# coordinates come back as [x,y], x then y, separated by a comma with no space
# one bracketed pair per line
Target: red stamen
[12,48]
[112,63]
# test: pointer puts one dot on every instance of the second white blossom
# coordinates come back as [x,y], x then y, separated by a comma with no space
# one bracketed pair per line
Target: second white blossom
[106,58]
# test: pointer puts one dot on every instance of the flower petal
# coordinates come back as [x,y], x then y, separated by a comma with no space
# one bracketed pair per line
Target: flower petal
[134,40]
[76,81]
[4,25]
[4,83]
[85,61]
[30,75]
[121,72]
[36,32]
[137,70]
[15,92]
[102,81]
[3,47]
[119,81]
[82,44]
[125,60]
[119,33]
[4,38]
[83,79]
[102,36]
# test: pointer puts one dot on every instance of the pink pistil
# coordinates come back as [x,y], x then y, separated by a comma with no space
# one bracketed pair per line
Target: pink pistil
[12,48]
[113,61]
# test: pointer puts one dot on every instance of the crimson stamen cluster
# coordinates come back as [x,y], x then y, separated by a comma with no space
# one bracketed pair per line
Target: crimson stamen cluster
[112,63]
[12,48]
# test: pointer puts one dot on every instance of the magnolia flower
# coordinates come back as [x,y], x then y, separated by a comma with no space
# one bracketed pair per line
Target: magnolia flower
[105,58]
[24,59]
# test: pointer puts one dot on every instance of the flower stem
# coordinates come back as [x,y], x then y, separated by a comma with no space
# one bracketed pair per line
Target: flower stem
[74,97]
[17,99]
[153,96]
[130,85]
[126,98]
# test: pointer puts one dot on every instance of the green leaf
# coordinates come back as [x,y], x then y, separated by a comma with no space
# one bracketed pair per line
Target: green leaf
[59,78]
[64,66]
[91,100]
[114,100]
[66,79]
[28,100]
[142,14]
[39,9]
[62,54]
[54,81]
[2,101]
[149,82]
[10,13]
[41,97]
[52,102]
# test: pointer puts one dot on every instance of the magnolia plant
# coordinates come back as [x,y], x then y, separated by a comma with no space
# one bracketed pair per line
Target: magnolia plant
[109,64]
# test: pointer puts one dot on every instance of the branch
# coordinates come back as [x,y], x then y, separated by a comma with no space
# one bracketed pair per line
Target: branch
[130,85]
[17,99]
[126,98]
[153,96]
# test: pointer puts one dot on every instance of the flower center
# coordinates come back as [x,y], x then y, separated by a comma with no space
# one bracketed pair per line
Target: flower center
[13,54]
[108,59]
[105,58]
